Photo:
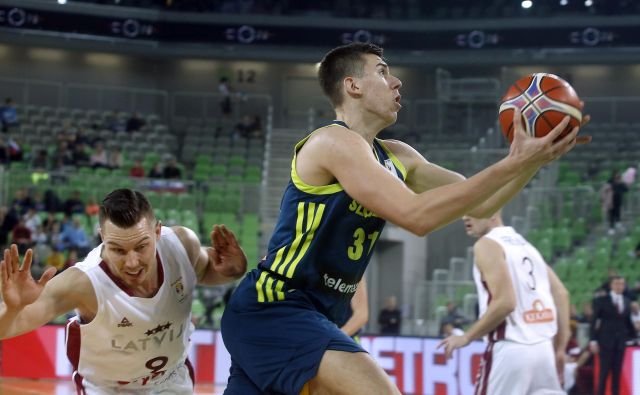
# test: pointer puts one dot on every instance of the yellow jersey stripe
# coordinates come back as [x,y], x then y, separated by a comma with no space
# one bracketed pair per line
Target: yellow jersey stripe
[394,159]
[279,293]
[300,233]
[301,185]
[270,289]
[316,223]
[259,284]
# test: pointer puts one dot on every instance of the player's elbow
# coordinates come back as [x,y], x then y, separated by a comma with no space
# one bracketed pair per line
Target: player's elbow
[507,305]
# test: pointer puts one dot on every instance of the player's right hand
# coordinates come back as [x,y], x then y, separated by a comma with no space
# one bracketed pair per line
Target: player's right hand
[534,152]
[593,347]
[19,289]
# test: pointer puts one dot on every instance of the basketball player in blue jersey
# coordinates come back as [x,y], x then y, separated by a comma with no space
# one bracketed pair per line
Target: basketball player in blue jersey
[345,184]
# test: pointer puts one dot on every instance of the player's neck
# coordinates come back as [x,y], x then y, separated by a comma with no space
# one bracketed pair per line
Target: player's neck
[359,123]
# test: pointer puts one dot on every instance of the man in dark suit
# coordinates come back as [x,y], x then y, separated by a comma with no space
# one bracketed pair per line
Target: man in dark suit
[610,328]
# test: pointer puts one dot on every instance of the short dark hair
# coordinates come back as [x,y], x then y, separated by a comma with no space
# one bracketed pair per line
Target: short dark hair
[125,208]
[614,278]
[346,60]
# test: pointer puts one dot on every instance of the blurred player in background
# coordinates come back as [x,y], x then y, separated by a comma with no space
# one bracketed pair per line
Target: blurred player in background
[132,295]
[279,325]
[524,312]
[357,313]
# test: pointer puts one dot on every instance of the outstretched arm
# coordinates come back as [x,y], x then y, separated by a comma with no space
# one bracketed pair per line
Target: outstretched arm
[359,310]
[28,304]
[491,262]
[221,263]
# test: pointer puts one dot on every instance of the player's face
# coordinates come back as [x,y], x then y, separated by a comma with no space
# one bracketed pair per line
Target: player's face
[475,227]
[381,89]
[131,252]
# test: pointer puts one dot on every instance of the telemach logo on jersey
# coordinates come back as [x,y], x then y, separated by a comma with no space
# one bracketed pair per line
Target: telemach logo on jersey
[178,287]
[538,314]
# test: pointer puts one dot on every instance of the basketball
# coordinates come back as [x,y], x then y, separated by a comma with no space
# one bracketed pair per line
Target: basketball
[544,100]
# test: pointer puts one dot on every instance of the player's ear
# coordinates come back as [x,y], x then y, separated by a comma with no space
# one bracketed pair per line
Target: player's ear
[352,86]
[158,228]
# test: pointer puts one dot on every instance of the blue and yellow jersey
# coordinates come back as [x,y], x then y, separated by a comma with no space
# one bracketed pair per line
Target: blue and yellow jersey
[322,241]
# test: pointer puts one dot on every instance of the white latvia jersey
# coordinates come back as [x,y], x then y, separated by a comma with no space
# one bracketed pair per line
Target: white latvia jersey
[135,342]
[534,318]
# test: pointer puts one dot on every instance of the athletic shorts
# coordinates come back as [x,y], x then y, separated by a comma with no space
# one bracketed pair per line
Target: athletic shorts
[178,382]
[276,347]
[513,368]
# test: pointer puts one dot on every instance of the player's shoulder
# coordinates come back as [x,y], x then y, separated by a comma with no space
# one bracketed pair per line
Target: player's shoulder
[487,246]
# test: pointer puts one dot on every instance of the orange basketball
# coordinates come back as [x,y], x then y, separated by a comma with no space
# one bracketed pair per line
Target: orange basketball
[544,100]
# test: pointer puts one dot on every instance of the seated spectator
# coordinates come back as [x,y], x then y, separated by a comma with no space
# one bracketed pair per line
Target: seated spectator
[8,115]
[172,171]
[32,220]
[52,203]
[453,316]
[115,158]
[390,317]
[92,208]
[15,150]
[48,222]
[41,160]
[80,156]
[99,156]
[156,171]
[114,123]
[56,259]
[63,155]
[586,314]
[74,236]
[22,201]
[21,235]
[9,218]
[4,152]
[74,204]
[72,258]
[137,170]
[135,123]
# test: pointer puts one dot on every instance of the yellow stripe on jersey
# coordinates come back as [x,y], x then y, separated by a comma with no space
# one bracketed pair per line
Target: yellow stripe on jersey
[259,285]
[304,187]
[277,265]
[315,223]
[279,293]
[270,289]
[394,159]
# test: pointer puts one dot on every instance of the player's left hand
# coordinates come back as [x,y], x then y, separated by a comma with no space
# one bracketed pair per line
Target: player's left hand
[228,258]
[453,342]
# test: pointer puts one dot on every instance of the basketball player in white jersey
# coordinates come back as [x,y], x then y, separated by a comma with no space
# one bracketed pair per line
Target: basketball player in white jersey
[132,295]
[524,312]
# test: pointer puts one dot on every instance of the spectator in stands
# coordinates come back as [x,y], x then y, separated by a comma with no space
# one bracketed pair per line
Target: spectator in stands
[41,160]
[225,101]
[115,158]
[82,138]
[135,123]
[15,149]
[4,152]
[21,235]
[63,156]
[72,258]
[47,223]
[453,316]
[74,204]
[99,156]
[56,259]
[390,317]
[587,313]
[171,170]
[52,201]
[137,170]
[8,115]
[22,201]
[55,237]
[156,171]
[92,208]
[114,122]
[249,127]
[80,156]
[32,220]
[613,192]
[7,223]
[629,176]
[74,236]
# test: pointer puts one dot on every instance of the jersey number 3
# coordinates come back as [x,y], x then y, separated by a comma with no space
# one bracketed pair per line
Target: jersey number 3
[528,265]
[359,237]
